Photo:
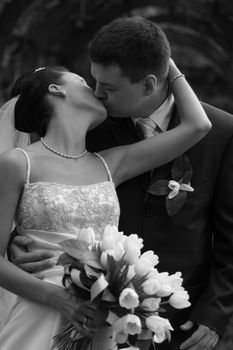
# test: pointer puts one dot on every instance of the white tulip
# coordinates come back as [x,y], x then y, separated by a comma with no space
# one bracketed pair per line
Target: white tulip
[179,300]
[118,251]
[121,337]
[87,235]
[107,243]
[103,259]
[132,246]
[146,263]
[131,272]
[165,284]
[128,298]
[129,324]
[151,304]
[111,236]
[133,239]
[151,286]
[159,336]
[176,282]
[165,290]
[161,327]
[132,254]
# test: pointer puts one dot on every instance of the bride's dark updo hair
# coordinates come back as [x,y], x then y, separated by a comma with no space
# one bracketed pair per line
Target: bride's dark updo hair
[33,110]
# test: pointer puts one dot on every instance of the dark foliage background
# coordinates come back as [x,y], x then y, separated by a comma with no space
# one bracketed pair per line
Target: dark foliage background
[35,33]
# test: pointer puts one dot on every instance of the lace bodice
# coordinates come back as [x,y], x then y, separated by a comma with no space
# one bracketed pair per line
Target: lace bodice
[61,208]
[55,207]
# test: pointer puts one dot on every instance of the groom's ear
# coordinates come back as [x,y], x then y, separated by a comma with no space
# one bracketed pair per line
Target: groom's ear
[150,83]
[56,90]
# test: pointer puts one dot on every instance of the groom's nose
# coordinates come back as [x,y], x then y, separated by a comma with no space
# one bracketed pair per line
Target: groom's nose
[99,92]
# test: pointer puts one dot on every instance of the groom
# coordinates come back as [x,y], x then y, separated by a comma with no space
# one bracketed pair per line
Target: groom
[191,233]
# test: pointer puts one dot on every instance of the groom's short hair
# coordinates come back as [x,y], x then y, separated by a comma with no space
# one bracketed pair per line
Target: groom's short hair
[137,45]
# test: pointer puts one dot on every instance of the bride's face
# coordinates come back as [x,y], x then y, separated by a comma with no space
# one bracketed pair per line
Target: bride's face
[82,98]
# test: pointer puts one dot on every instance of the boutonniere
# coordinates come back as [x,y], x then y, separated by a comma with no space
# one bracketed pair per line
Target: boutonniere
[177,187]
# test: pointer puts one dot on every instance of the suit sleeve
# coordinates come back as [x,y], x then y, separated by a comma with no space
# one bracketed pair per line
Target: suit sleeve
[215,306]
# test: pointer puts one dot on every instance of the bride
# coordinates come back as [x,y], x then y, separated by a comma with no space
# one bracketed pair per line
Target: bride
[55,187]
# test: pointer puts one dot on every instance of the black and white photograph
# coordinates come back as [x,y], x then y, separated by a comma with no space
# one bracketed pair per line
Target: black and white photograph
[116,175]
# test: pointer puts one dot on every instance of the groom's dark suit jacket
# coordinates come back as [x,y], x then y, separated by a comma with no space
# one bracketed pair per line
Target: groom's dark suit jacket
[198,240]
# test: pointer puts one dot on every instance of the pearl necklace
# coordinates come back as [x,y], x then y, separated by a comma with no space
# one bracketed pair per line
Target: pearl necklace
[62,154]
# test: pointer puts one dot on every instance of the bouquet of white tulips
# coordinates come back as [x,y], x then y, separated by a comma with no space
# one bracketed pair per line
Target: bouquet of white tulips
[114,275]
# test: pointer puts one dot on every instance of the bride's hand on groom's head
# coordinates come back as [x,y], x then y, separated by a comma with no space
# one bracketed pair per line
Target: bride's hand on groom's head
[32,262]
[173,70]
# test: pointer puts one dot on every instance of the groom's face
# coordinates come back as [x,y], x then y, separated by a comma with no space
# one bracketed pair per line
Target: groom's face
[120,96]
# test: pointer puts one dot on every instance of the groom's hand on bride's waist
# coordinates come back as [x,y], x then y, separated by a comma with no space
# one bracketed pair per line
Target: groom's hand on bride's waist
[32,262]
[202,338]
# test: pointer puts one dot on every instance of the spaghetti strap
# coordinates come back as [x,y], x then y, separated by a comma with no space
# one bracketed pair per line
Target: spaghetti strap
[28,163]
[105,165]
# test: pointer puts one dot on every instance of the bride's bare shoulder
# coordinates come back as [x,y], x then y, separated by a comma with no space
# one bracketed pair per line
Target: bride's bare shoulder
[13,165]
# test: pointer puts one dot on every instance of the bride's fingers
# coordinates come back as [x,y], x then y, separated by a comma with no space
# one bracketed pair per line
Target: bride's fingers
[21,241]
[34,267]
[29,257]
[84,315]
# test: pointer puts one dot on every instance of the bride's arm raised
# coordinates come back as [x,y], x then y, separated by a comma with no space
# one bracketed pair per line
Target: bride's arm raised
[12,278]
[129,161]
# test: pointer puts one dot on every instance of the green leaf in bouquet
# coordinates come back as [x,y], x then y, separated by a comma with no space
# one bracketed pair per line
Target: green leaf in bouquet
[110,305]
[118,271]
[143,311]
[176,203]
[182,169]
[91,258]
[162,310]
[74,247]
[137,282]
[159,187]
[65,259]
[123,276]
[96,248]
[76,265]
[112,265]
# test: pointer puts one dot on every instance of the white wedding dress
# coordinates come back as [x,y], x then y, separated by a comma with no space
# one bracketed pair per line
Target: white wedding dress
[49,213]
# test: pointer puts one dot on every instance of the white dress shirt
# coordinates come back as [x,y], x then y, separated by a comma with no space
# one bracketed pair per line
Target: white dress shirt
[162,115]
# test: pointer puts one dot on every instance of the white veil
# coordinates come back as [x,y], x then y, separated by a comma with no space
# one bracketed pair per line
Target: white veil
[9,136]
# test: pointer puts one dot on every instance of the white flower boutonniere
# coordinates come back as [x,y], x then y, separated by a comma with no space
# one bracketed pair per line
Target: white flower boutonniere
[175,189]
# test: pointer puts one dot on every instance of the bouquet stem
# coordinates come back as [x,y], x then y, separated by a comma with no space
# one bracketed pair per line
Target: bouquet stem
[65,341]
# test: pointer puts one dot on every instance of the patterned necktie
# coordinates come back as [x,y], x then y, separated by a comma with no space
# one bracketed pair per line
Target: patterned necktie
[146,127]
